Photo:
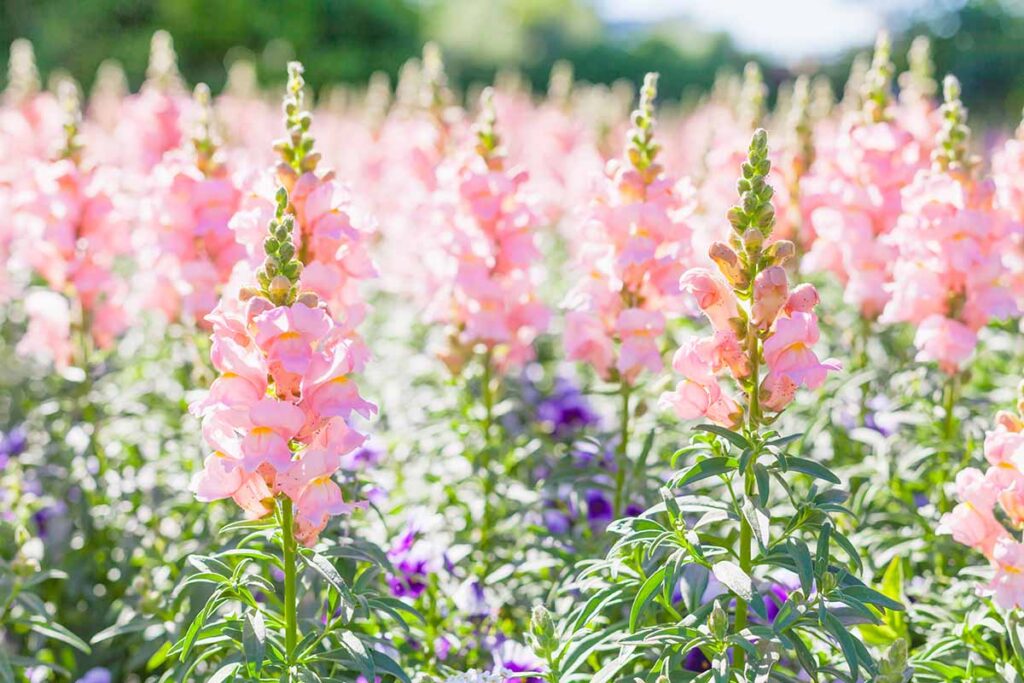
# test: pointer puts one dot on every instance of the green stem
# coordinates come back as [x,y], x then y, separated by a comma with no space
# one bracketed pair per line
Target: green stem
[746,533]
[288,547]
[623,449]
[949,399]
[484,468]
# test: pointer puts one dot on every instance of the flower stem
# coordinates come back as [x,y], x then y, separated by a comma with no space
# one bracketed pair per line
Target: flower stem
[746,533]
[623,449]
[949,399]
[487,392]
[288,547]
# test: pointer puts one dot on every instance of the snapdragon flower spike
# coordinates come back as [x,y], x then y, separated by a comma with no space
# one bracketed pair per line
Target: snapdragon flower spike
[878,81]
[297,148]
[192,250]
[72,230]
[150,122]
[756,319]
[487,287]
[948,272]
[952,151]
[989,497]
[852,198]
[637,242]
[278,416]
[918,81]
[330,239]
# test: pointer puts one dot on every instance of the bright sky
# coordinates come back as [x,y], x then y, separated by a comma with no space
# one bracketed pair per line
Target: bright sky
[785,29]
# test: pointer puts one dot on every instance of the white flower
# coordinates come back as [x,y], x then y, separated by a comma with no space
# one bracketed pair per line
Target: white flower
[474,676]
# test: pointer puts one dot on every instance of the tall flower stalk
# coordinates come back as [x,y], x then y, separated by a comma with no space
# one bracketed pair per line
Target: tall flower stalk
[487,276]
[748,534]
[636,243]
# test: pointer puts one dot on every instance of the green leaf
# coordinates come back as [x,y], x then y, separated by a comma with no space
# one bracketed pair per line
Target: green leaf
[322,566]
[758,521]
[801,555]
[814,469]
[846,644]
[732,437]
[120,630]
[873,597]
[224,673]
[695,448]
[57,632]
[158,657]
[389,666]
[704,469]
[763,483]
[254,639]
[783,440]
[248,525]
[734,578]
[6,671]
[361,654]
[646,593]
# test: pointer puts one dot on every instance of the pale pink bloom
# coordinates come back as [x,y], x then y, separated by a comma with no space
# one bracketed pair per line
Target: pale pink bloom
[1003,446]
[943,340]
[48,335]
[788,352]
[638,331]
[587,340]
[699,394]
[771,291]
[288,336]
[1007,586]
[713,295]
[802,299]
[272,426]
[632,245]
[972,522]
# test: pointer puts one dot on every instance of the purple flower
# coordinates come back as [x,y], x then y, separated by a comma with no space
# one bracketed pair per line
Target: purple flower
[696,660]
[473,600]
[774,599]
[97,675]
[44,516]
[442,647]
[415,560]
[12,444]
[366,456]
[599,508]
[566,411]
[515,657]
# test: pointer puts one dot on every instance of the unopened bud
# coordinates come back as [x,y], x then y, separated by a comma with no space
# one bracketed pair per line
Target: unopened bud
[718,622]
[752,240]
[781,251]
[309,299]
[542,627]
[729,263]
[8,541]
[279,288]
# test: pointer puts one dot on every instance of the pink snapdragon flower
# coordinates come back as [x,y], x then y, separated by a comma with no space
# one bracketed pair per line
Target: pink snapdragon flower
[486,268]
[193,250]
[852,197]
[636,247]
[985,497]
[948,276]
[71,223]
[279,418]
[757,319]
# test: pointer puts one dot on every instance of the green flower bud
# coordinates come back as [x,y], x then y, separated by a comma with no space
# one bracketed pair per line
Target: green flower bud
[718,622]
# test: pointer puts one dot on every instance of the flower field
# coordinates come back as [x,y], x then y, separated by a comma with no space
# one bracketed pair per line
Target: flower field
[430,386]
